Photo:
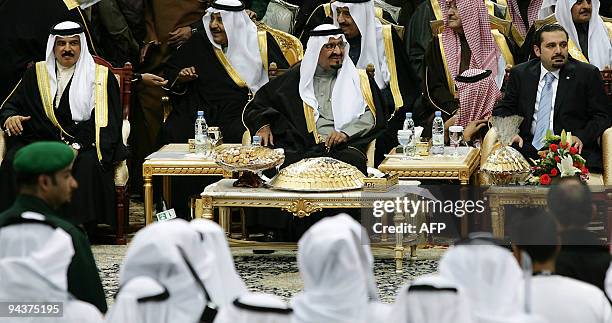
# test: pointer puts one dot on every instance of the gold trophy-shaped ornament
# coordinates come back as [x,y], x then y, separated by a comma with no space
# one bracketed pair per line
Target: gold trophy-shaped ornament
[505,165]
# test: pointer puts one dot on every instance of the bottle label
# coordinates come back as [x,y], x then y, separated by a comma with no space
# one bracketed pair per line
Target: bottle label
[437,139]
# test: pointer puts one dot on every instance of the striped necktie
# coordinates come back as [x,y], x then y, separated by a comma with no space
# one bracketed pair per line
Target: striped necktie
[543,114]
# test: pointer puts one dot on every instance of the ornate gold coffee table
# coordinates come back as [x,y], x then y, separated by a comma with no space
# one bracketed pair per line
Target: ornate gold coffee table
[174,160]
[435,167]
[224,195]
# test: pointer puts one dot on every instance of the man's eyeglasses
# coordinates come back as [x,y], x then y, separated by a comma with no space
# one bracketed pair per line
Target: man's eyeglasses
[332,46]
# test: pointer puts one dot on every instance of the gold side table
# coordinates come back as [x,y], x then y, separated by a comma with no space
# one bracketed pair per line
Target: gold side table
[174,160]
[435,167]
[536,196]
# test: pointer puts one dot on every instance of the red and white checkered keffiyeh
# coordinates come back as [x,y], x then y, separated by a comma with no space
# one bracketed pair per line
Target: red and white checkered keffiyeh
[532,15]
[476,100]
[477,30]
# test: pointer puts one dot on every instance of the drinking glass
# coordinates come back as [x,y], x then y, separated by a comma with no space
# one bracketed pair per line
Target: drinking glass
[404,137]
[455,134]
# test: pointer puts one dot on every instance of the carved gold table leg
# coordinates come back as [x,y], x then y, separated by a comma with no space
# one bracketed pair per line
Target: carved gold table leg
[384,237]
[198,209]
[207,208]
[497,217]
[224,219]
[398,219]
[148,198]
[167,190]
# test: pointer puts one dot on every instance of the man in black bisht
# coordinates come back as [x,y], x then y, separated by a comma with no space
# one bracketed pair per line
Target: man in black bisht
[322,107]
[70,98]
[24,29]
[217,70]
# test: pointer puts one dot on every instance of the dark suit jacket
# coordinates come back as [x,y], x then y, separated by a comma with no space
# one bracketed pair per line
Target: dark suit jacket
[581,105]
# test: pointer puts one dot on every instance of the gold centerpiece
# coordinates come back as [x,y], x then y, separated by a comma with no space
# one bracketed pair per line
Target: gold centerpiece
[248,160]
[322,174]
[505,165]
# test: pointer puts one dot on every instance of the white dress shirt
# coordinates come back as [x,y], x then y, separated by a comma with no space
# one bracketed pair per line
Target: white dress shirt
[64,75]
[555,82]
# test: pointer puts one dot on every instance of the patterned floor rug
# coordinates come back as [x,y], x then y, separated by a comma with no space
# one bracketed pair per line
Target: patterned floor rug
[278,273]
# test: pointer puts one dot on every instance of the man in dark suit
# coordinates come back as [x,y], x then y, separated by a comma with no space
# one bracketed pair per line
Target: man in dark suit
[559,93]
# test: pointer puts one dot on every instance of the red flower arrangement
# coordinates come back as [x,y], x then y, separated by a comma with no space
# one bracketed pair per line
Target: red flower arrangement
[559,159]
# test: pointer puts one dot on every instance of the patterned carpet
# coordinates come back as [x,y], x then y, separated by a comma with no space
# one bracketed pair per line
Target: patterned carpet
[278,273]
[275,273]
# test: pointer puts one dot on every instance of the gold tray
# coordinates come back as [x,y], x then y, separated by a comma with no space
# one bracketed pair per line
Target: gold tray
[277,157]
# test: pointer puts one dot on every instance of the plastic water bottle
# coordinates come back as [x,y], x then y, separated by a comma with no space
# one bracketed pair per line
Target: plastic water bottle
[201,135]
[409,125]
[437,135]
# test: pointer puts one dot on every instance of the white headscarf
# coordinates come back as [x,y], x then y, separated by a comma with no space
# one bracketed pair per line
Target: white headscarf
[347,100]
[34,261]
[216,265]
[600,48]
[431,299]
[335,263]
[82,98]
[547,8]
[242,46]
[255,308]
[154,254]
[372,41]
[491,279]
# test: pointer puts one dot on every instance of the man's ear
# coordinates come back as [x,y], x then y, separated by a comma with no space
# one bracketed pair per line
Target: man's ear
[536,50]
[44,182]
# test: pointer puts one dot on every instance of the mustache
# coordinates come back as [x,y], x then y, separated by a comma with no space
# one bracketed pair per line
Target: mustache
[67,54]
[215,30]
[558,56]
[335,56]
[585,11]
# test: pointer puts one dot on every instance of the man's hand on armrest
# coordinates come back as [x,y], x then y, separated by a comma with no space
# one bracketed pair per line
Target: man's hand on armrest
[13,125]
[265,133]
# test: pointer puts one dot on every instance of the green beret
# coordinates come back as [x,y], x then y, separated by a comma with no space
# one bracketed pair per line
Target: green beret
[43,157]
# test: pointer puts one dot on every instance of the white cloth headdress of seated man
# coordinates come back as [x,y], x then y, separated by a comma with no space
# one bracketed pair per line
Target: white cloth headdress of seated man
[34,261]
[347,100]
[82,98]
[242,45]
[491,280]
[335,264]
[431,299]
[600,48]
[216,264]
[255,308]
[372,41]
[156,283]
